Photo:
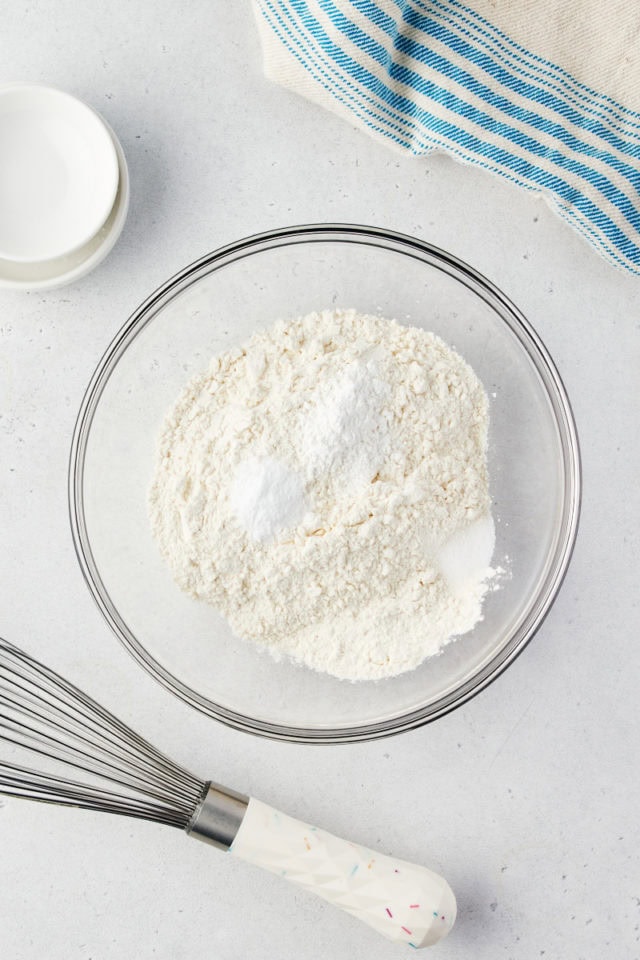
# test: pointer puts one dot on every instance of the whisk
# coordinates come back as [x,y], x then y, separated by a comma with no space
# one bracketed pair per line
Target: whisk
[43,715]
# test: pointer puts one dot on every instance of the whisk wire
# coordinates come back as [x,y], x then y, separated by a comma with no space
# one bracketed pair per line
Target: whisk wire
[97,754]
[49,789]
[92,715]
[130,740]
[45,715]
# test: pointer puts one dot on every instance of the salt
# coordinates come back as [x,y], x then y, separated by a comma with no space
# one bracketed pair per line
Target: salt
[465,558]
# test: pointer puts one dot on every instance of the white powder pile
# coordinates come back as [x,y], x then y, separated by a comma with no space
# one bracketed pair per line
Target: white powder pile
[325,487]
[266,497]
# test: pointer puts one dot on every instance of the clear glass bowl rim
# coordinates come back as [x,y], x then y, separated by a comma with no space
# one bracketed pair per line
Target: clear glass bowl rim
[528,339]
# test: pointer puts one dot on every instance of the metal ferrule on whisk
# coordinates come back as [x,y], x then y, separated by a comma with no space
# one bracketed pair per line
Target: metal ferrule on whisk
[217,818]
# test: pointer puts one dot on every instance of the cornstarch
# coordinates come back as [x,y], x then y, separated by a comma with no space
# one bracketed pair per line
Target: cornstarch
[325,486]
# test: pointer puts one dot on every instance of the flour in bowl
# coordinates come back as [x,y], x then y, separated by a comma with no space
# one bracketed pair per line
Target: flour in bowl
[325,486]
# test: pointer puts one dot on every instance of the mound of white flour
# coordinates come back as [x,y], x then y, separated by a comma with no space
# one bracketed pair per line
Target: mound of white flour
[325,486]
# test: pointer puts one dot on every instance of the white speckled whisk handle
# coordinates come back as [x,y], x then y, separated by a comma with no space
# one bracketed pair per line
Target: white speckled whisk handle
[404,902]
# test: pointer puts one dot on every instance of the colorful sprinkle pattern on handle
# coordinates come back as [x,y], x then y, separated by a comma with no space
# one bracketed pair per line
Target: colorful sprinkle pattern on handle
[404,902]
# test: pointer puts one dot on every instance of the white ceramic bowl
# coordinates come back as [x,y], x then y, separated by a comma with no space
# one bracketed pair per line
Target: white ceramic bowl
[58,173]
[66,269]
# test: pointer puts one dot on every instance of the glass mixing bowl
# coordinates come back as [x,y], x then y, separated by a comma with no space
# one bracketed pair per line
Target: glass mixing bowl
[218,302]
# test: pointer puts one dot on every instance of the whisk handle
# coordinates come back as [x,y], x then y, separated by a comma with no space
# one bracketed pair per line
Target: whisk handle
[404,902]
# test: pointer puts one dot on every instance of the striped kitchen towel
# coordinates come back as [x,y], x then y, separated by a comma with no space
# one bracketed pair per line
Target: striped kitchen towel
[543,92]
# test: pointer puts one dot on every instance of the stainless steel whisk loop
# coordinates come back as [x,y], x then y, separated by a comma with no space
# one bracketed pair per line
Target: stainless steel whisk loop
[43,714]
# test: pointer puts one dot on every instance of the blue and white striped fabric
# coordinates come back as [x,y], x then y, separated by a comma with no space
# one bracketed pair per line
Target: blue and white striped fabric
[441,75]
